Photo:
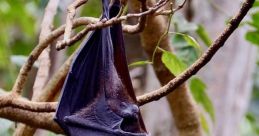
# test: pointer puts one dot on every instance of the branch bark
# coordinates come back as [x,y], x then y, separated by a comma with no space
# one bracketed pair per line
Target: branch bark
[181,104]
[44,120]
[44,63]
[202,61]
[35,119]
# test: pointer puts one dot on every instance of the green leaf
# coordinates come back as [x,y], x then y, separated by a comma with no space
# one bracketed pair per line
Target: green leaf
[203,34]
[139,63]
[4,57]
[204,124]
[174,64]
[249,125]
[256,4]
[255,19]
[188,54]
[253,37]
[198,90]
[190,40]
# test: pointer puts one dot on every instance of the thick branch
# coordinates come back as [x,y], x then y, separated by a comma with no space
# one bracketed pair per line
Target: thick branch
[44,63]
[44,58]
[202,61]
[44,120]
[141,24]
[70,16]
[105,23]
[22,77]
[35,119]
[21,103]
[55,84]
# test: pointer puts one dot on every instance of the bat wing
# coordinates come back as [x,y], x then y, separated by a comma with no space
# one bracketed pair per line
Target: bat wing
[97,97]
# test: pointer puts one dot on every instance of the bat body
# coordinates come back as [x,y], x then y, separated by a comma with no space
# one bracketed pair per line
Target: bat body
[98,97]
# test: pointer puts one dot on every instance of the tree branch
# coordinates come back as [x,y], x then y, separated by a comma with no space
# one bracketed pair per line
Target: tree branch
[70,16]
[44,58]
[44,120]
[141,24]
[22,77]
[202,61]
[35,119]
[44,64]
[9,101]
[106,23]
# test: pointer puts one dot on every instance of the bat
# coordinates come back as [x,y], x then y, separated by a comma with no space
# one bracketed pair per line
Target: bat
[97,97]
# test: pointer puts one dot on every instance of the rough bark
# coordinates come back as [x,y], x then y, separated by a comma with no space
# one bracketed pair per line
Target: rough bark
[180,102]
[229,75]
[44,66]
[44,120]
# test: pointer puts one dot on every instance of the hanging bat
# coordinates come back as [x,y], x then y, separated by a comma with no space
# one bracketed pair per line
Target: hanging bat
[122,6]
[97,97]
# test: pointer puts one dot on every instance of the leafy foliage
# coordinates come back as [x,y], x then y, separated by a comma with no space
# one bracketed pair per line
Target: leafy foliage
[198,90]
[253,35]
[140,63]
[250,125]
[186,52]
[173,63]
[204,123]
[203,34]
[17,35]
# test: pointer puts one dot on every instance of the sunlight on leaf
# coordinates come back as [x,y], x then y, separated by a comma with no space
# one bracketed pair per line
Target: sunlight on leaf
[204,124]
[256,4]
[254,20]
[253,37]
[139,63]
[174,64]
[204,36]
[190,40]
[198,90]
[188,54]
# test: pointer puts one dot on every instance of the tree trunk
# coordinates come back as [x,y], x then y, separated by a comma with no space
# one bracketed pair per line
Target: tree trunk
[180,102]
[229,74]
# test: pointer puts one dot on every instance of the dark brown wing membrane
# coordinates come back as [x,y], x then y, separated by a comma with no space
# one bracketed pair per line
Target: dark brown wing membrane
[98,97]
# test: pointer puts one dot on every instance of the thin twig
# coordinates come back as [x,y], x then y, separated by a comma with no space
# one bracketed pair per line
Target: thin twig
[133,29]
[171,11]
[44,120]
[101,24]
[71,12]
[55,83]
[202,61]
[21,103]
[23,75]
[36,119]
[44,59]
[44,64]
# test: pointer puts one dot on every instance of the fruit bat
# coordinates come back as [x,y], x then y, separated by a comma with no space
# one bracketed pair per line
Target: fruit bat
[97,97]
